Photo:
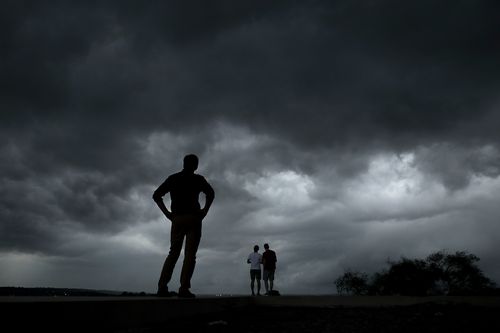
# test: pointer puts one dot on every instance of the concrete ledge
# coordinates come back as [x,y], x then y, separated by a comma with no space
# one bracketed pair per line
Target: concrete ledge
[372,301]
[91,313]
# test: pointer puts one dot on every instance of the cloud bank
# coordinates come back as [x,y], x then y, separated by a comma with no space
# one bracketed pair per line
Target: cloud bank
[342,133]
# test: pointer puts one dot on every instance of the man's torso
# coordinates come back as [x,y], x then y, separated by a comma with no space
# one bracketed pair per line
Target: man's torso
[269,260]
[255,260]
[184,189]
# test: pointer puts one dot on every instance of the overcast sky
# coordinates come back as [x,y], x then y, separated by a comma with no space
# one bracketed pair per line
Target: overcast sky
[343,133]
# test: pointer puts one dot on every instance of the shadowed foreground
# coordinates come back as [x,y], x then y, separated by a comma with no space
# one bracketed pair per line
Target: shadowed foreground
[414,318]
[251,314]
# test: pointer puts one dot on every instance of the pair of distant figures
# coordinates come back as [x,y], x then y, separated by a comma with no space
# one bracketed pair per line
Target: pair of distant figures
[268,261]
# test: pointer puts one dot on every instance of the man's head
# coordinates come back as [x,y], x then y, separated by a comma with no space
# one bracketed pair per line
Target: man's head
[255,248]
[266,246]
[190,162]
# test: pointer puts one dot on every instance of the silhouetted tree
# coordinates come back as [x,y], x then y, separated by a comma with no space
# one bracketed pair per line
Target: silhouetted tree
[439,274]
[458,273]
[406,277]
[352,283]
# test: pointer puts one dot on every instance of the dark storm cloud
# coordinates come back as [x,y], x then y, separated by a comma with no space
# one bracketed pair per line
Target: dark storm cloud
[186,22]
[357,66]
[360,75]
[454,166]
[387,69]
[40,41]
[100,99]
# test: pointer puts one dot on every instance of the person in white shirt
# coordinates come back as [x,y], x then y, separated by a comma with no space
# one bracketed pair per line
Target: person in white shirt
[255,259]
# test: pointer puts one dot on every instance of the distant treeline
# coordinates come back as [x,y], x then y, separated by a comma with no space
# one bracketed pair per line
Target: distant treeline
[21,291]
[441,273]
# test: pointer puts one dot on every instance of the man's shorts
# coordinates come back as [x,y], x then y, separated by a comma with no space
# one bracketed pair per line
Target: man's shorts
[269,275]
[255,274]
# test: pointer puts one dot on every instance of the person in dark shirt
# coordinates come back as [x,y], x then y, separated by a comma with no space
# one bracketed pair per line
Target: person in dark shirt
[269,263]
[186,217]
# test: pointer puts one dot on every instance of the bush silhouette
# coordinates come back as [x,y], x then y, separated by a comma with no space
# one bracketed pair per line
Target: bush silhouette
[440,273]
[352,282]
[459,274]
[406,277]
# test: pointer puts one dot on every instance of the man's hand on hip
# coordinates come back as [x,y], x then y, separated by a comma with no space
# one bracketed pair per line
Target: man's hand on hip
[203,212]
[169,215]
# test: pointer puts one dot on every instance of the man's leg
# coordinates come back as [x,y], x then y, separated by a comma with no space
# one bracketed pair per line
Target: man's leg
[271,279]
[252,282]
[266,285]
[176,240]
[193,237]
[258,281]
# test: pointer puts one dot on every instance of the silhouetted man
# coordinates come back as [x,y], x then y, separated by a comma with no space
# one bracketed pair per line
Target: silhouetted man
[255,259]
[186,216]
[269,263]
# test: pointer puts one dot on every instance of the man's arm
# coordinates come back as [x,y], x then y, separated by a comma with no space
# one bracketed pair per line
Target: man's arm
[158,198]
[210,196]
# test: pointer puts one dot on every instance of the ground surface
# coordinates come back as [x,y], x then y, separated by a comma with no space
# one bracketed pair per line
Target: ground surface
[250,314]
[415,318]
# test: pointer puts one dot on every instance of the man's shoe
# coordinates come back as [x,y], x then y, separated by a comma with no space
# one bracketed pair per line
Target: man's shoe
[165,293]
[185,294]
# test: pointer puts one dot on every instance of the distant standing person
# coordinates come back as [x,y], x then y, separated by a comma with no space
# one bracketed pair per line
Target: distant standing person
[255,259]
[269,263]
[186,216]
